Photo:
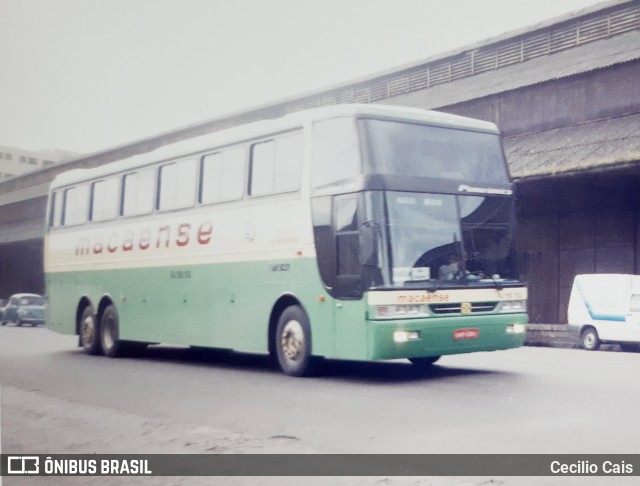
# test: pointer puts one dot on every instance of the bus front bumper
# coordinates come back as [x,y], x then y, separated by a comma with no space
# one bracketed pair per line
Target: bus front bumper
[416,338]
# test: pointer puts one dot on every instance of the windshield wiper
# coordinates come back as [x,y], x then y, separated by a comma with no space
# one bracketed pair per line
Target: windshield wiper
[497,283]
[435,287]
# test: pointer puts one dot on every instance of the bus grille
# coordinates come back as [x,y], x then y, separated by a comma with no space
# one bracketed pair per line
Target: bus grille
[457,308]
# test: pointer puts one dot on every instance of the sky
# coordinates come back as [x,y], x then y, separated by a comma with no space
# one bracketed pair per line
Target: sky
[87,75]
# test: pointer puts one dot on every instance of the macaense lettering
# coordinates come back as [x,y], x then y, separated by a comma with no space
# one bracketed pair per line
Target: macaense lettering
[166,236]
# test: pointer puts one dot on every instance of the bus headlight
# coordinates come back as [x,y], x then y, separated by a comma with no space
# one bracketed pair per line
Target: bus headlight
[400,311]
[404,336]
[514,306]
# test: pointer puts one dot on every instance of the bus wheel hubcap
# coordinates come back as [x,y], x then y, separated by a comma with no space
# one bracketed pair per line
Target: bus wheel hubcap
[292,341]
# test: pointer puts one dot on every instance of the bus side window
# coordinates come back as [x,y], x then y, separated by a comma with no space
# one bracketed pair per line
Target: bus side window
[263,160]
[137,193]
[336,152]
[347,235]
[349,269]
[177,185]
[104,200]
[75,205]
[276,165]
[288,163]
[55,213]
[222,176]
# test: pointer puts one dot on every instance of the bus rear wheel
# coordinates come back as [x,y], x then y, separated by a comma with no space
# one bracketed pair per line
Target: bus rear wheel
[293,342]
[89,331]
[112,346]
[590,340]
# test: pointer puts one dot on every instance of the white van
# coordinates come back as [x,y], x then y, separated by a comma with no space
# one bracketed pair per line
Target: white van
[605,308]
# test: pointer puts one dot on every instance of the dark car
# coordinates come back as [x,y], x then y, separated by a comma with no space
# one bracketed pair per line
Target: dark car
[23,309]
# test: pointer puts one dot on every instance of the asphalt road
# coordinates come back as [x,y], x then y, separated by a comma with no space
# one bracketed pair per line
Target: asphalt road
[56,399]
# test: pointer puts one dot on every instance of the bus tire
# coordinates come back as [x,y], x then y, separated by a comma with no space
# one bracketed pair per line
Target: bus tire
[425,361]
[89,331]
[589,339]
[112,346]
[293,342]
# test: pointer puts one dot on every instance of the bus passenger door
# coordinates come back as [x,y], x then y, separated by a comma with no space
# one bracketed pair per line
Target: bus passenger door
[336,226]
[350,311]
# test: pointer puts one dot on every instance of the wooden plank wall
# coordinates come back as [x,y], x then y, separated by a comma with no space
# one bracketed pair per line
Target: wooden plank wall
[571,226]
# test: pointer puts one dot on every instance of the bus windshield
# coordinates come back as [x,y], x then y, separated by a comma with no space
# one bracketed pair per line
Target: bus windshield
[414,150]
[444,239]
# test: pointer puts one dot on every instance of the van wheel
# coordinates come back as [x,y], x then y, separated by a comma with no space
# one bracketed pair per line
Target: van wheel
[293,342]
[89,331]
[112,346]
[590,340]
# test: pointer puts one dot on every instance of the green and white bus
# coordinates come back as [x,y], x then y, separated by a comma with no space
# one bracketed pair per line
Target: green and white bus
[358,232]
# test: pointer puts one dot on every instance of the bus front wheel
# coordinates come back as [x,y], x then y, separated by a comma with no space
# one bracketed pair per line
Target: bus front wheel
[293,342]
[89,331]
[590,340]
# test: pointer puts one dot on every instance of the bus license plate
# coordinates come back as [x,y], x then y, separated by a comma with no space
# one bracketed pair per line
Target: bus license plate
[460,334]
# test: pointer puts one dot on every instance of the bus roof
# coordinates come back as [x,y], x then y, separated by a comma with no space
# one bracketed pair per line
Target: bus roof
[401,112]
[260,128]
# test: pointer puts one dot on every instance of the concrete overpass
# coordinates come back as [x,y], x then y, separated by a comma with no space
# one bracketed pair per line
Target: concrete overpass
[564,92]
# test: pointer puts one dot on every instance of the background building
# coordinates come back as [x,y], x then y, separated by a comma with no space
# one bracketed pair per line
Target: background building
[565,94]
[15,161]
